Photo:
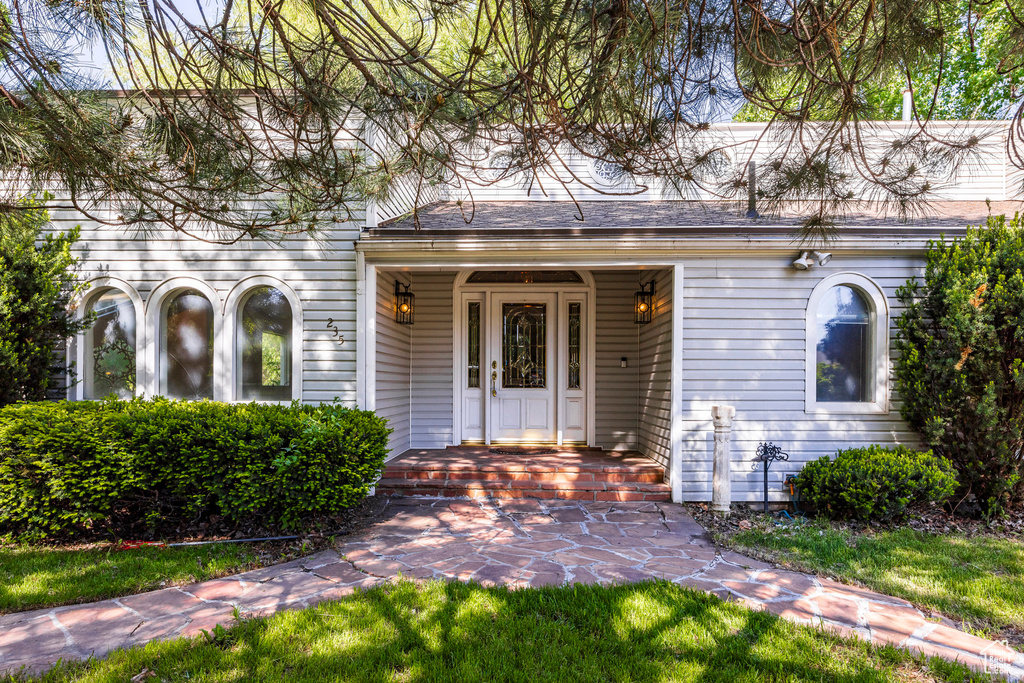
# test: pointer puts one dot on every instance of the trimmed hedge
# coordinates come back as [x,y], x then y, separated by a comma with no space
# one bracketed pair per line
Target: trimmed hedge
[875,483]
[73,467]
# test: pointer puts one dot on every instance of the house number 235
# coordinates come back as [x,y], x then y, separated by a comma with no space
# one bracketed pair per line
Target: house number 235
[334,329]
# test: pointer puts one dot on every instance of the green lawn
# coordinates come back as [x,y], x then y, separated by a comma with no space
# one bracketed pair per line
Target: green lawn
[33,576]
[976,579]
[456,632]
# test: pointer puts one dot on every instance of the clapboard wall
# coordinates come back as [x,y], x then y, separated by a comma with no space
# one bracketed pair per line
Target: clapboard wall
[986,173]
[320,271]
[432,381]
[744,344]
[394,364]
[654,407]
[615,387]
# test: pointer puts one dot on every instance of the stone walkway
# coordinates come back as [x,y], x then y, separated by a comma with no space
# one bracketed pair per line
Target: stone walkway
[516,542]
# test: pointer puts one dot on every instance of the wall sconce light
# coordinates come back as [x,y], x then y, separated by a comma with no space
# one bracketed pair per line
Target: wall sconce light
[405,302]
[643,303]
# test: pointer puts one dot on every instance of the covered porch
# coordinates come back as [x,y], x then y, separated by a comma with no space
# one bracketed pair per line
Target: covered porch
[586,380]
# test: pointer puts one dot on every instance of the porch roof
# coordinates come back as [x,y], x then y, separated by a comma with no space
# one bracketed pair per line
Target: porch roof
[670,219]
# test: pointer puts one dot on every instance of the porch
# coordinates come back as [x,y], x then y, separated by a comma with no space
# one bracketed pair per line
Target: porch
[550,356]
[584,474]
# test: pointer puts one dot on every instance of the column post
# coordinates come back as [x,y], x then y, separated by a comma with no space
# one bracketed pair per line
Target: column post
[721,483]
[676,388]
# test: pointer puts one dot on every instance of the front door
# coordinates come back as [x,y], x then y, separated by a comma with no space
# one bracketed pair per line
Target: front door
[522,362]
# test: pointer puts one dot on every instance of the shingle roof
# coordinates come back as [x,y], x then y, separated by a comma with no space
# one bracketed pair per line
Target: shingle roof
[505,219]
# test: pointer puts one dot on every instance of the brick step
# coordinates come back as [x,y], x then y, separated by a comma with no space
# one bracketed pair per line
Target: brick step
[653,476]
[653,492]
[491,485]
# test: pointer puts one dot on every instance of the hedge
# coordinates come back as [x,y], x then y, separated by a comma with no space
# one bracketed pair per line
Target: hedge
[875,483]
[69,468]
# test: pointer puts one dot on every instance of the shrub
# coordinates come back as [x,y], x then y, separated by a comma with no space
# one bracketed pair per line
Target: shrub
[875,482]
[960,370]
[68,468]
[37,283]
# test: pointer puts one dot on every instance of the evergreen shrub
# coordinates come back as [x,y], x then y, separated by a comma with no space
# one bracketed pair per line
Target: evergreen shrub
[960,368]
[38,282]
[875,483]
[68,468]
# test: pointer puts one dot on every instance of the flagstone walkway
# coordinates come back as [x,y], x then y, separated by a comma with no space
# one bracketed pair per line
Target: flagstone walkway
[516,542]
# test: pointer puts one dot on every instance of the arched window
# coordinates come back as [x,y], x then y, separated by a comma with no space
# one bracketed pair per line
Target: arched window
[847,359]
[110,362]
[843,366]
[187,346]
[265,345]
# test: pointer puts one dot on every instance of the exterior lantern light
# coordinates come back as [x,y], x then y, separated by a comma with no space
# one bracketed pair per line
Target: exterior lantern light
[405,302]
[643,307]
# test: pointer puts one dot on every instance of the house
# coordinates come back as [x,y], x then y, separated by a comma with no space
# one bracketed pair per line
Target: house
[527,325]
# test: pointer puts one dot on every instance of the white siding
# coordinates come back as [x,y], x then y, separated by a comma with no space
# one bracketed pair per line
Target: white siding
[432,355]
[393,364]
[322,274]
[655,401]
[744,345]
[985,174]
[405,194]
[615,391]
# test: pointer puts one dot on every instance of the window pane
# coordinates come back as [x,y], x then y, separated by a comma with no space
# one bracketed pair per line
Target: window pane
[474,345]
[524,346]
[843,369]
[266,329]
[110,350]
[574,345]
[188,346]
[525,276]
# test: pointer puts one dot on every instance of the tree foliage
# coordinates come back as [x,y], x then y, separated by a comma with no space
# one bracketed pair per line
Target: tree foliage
[970,79]
[960,370]
[37,284]
[254,119]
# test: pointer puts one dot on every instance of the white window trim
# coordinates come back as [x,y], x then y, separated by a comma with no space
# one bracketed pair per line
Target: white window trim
[154,353]
[78,352]
[878,352]
[232,311]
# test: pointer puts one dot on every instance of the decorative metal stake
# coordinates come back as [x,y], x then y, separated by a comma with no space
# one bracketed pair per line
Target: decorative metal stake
[768,453]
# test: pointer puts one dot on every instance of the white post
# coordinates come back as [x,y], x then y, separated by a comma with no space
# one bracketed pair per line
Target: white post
[908,104]
[676,388]
[721,483]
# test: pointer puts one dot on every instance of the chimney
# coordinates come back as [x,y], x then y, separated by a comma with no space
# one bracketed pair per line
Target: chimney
[908,104]
[752,191]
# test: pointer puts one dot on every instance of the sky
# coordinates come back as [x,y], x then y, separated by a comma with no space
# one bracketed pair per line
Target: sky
[93,60]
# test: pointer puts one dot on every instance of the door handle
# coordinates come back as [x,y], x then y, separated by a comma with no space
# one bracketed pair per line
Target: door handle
[494,382]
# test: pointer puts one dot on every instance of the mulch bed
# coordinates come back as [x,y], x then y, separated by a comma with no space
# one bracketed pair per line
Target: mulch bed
[932,519]
[318,534]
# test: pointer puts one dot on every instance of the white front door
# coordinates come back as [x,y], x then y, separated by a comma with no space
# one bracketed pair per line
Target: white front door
[525,362]
[521,366]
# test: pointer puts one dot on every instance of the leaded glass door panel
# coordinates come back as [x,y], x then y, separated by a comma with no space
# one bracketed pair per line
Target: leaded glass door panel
[520,370]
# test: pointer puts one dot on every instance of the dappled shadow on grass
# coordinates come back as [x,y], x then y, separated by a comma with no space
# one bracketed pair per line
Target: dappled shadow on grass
[978,578]
[36,577]
[457,632]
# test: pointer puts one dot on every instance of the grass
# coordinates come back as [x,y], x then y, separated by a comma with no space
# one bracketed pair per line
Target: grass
[976,579]
[455,632]
[32,577]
